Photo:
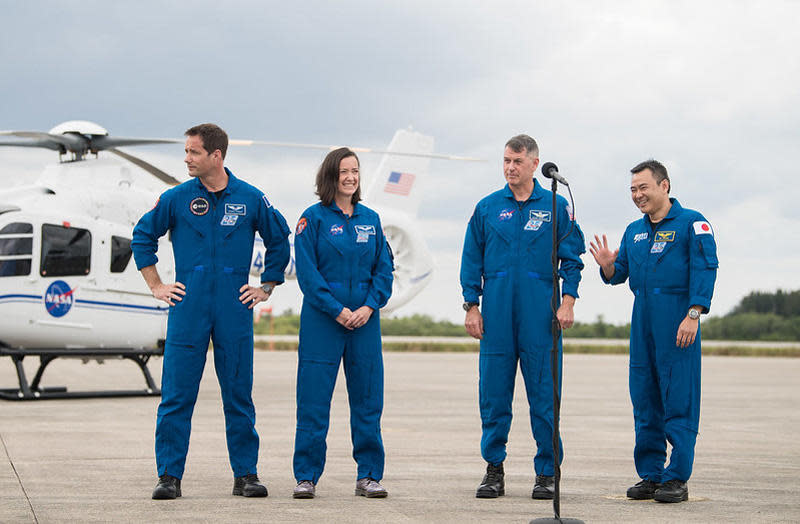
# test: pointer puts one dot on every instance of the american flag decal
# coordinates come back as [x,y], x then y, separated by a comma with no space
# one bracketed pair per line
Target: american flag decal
[399,183]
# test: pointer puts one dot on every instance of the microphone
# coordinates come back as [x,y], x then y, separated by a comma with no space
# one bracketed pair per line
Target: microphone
[550,170]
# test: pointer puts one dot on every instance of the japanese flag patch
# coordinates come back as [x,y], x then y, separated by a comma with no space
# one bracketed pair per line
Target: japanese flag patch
[701,227]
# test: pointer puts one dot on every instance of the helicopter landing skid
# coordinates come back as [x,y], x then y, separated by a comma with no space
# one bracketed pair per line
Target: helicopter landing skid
[33,391]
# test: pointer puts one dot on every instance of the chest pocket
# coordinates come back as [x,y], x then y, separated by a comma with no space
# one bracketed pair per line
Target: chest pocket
[503,228]
[639,251]
[229,224]
[665,242]
[334,237]
[197,223]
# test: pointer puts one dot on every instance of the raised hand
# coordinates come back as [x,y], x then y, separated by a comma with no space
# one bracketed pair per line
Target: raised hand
[603,256]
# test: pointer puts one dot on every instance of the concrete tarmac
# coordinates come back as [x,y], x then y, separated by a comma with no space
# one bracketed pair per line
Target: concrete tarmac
[92,460]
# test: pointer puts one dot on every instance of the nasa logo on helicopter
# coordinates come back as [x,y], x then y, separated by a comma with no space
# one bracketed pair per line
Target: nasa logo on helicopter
[72,230]
[58,298]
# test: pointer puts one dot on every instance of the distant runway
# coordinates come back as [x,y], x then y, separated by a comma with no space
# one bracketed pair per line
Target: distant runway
[92,460]
[567,341]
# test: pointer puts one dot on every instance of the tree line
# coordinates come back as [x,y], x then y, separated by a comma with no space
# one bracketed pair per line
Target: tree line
[768,316]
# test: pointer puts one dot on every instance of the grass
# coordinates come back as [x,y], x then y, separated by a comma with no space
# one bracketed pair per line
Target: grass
[426,347]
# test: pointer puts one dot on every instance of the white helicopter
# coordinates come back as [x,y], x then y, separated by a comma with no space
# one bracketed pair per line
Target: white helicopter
[68,286]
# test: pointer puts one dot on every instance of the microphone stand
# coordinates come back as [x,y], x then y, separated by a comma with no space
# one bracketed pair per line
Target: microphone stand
[554,368]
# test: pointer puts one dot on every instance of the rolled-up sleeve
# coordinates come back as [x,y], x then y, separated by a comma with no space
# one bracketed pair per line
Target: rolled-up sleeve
[620,264]
[315,289]
[152,226]
[703,264]
[380,288]
[275,233]
[570,250]
[472,259]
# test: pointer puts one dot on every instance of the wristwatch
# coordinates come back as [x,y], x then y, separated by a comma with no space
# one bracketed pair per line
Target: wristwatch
[694,314]
[267,288]
[468,305]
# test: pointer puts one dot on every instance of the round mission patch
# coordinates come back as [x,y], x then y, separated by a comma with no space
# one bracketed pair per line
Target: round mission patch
[199,206]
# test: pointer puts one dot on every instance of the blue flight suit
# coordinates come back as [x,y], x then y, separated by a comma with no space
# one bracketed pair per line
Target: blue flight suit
[507,259]
[341,262]
[212,240]
[670,266]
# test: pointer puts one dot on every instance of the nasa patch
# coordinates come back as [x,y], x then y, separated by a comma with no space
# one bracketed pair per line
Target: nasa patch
[506,214]
[58,298]
[235,209]
[539,215]
[199,206]
[658,247]
[301,225]
[640,236]
[337,229]
[229,220]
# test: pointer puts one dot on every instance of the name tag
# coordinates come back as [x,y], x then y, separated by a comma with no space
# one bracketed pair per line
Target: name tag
[229,220]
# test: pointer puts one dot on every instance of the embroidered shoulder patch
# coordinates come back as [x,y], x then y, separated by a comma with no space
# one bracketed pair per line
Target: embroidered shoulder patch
[301,225]
[701,227]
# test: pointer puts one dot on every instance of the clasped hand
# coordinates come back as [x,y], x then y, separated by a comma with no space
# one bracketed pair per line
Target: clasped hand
[354,319]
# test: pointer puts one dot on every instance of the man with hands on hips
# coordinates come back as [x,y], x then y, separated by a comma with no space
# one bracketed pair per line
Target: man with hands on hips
[669,258]
[212,219]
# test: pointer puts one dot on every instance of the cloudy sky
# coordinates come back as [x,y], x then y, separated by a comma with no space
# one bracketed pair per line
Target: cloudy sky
[712,89]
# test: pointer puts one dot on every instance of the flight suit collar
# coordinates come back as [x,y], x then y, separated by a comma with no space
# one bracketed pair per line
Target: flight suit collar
[232,183]
[536,194]
[674,211]
[357,209]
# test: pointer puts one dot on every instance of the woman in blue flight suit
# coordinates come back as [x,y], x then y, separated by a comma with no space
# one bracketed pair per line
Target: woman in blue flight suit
[344,268]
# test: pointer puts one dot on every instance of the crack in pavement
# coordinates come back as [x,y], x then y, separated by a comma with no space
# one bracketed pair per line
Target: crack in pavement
[19,480]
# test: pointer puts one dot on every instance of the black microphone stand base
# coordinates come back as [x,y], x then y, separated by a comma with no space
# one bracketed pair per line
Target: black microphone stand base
[553,520]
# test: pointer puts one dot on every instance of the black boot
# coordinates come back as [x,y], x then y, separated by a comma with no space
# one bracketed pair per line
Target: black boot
[168,487]
[544,488]
[249,486]
[493,485]
[642,490]
[672,491]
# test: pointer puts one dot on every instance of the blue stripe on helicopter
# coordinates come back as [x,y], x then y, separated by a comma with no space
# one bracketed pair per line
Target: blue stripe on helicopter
[132,308]
[92,304]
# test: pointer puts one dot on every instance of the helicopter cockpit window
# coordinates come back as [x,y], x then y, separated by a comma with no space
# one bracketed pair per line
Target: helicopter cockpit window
[16,248]
[120,253]
[65,251]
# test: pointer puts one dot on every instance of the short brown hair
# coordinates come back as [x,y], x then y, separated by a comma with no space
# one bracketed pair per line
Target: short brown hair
[658,170]
[520,142]
[328,176]
[213,137]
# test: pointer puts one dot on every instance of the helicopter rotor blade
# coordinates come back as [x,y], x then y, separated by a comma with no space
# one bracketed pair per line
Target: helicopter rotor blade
[356,149]
[45,144]
[150,168]
[65,142]
[101,143]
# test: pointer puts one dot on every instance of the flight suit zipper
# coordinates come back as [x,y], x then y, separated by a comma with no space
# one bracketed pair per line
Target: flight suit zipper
[352,264]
